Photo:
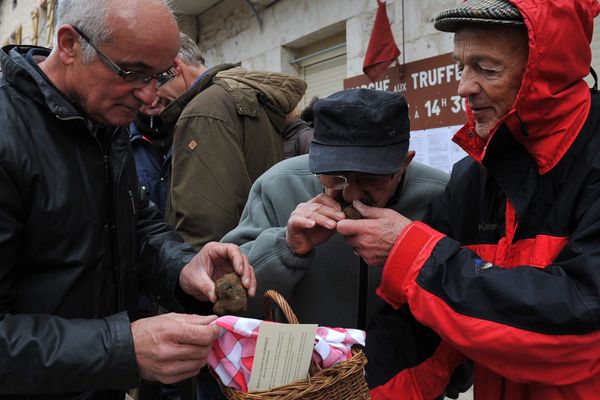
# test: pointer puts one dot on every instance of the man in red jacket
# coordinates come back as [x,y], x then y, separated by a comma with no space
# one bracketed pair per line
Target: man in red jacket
[505,266]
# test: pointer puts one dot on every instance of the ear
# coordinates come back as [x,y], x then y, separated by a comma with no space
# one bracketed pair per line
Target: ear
[67,44]
[186,72]
[409,157]
[178,66]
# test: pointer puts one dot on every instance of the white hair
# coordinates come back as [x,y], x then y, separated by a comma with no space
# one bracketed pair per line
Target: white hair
[91,18]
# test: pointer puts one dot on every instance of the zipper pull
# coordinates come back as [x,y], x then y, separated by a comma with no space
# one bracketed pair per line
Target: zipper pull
[106,169]
[132,201]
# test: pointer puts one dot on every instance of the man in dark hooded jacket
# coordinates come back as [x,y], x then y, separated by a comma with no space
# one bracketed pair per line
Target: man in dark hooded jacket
[151,142]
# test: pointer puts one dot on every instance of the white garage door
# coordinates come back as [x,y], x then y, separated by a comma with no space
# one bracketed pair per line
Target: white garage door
[324,77]
[323,69]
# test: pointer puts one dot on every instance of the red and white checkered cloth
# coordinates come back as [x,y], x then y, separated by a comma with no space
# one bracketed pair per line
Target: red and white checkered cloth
[232,353]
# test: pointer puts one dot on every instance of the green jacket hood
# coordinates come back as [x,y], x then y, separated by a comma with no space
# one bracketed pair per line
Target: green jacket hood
[283,91]
[170,114]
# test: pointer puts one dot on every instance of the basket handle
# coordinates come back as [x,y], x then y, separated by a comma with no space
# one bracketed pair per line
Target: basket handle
[271,296]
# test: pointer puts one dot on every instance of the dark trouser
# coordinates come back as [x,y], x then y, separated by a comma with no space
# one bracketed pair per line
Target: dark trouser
[207,387]
[395,341]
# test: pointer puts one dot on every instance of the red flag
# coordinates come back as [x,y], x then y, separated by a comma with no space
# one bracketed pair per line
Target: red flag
[382,49]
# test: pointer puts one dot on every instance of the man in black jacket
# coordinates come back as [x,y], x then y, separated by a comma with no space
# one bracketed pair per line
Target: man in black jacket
[76,237]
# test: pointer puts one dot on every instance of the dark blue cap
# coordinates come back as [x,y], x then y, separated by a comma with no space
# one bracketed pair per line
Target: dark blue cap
[360,130]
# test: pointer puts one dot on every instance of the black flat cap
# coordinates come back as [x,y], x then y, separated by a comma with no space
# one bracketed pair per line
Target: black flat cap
[478,11]
[360,130]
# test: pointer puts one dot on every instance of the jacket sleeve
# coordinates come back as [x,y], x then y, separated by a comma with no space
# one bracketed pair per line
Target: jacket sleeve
[209,180]
[162,254]
[261,236]
[541,321]
[48,354]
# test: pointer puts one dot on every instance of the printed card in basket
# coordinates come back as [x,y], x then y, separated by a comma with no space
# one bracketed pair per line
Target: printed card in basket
[283,354]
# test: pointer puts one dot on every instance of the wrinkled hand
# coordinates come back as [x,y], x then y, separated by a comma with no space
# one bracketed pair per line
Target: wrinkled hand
[312,223]
[373,237]
[212,262]
[172,347]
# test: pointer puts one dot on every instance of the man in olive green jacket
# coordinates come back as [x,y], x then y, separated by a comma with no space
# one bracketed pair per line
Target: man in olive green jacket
[227,132]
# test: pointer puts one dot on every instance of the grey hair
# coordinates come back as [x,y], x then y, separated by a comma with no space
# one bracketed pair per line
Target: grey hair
[189,52]
[91,18]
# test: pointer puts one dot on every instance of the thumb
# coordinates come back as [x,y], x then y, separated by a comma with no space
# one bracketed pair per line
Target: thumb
[198,333]
[199,319]
[208,289]
[367,211]
[205,287]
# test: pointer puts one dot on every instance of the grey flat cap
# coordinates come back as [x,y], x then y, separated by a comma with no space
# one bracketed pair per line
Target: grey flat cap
[478,11]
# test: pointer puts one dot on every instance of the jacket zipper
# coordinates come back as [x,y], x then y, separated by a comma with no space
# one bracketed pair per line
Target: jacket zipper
[112,191]
[106,169]
[119,275]
[132,201]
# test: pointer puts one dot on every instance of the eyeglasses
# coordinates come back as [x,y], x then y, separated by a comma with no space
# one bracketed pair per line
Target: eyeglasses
[136,79]
[364,181]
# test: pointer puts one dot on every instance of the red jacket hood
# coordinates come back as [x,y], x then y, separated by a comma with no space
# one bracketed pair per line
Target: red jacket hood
[554,100]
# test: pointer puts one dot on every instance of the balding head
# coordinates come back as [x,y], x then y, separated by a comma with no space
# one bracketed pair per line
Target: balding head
[100,18]
[97,80]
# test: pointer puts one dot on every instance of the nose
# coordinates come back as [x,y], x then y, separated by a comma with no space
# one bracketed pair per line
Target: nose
[352,192]
[468,84]
[147,93]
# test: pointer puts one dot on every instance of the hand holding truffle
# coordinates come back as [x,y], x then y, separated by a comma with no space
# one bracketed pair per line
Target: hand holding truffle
[212,262]
[312,223]
[373,236]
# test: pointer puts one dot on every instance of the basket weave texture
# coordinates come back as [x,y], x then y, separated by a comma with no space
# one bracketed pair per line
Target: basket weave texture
[343,381]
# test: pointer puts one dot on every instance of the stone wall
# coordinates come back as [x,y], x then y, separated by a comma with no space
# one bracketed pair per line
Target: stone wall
[230,32]
[20,15]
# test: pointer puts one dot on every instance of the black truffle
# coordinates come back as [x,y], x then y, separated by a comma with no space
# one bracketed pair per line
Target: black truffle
[352,213]
[231,295]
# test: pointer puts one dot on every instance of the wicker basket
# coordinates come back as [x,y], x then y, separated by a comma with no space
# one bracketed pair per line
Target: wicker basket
[344,381]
